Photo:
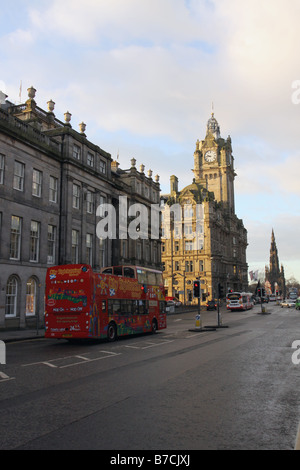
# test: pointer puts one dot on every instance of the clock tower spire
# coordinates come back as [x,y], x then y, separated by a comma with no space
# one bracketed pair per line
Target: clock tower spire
[214,163]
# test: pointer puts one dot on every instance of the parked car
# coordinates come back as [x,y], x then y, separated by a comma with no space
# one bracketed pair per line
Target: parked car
[211,305]
[176,302]
[288,303]
[171,305]
[297,305]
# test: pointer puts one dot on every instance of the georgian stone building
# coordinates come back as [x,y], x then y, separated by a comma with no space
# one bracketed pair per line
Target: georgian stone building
[202,236]
[54,184]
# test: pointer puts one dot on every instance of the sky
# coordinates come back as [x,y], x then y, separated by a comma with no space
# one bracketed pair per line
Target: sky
[143,74]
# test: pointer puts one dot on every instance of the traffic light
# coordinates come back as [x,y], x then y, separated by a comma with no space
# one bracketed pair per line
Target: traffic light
[220,291]
[144,288]
[196,288]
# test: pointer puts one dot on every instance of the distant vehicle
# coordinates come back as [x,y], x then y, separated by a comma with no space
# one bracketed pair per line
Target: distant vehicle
[263,300]
[297,305]
[211,305]
[239,301]
[293,296]
[176,302]
[288,303]
[272,298]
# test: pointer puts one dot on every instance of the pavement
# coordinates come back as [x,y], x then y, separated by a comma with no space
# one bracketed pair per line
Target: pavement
[9,336]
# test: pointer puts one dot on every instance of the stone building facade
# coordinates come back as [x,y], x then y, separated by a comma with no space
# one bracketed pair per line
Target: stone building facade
[202,236]
[54,184]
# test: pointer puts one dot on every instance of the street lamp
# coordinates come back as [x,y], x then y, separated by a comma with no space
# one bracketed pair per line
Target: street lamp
[183,275]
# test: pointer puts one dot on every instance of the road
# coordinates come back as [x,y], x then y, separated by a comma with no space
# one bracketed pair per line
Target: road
[232,388]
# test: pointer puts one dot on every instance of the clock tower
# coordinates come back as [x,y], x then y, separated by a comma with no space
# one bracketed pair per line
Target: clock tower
[214,164]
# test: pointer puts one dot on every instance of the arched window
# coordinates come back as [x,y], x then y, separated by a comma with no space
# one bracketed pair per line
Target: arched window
[31,296]
[11,297]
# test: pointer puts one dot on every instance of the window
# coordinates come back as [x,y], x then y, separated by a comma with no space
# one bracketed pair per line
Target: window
[90,202]
[75,246]
[124,248]
[37,183]
[30,297]
[188,245]
[188,211]
[101,211]
[102,167]
[51,244]
[76,196]
[147,254]
[2,163]
[101,252]
[76,152]
[89,249]
[188,230]
[189,267]
[177,266]
[53,189]
[90,159]
[15,237]
[19,172]
[11,297]
[34,241]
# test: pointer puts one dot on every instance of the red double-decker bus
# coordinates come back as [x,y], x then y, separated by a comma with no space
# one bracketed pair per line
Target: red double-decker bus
[125,300]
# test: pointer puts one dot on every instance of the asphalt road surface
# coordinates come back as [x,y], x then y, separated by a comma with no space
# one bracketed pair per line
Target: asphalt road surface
[231,388]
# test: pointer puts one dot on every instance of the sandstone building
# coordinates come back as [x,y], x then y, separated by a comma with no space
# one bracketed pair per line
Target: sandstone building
[204,239]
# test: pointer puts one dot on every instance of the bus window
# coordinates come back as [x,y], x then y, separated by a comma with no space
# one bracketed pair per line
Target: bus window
[107,271]
[118,270]
[142,307]
[129,272]
[135,307]
[151,278]
[126,306]
[141,275]
[114,306]
[103,305]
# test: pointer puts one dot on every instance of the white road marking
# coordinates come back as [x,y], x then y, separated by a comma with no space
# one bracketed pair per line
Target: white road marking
[5,378]
[83,360]
[149,344]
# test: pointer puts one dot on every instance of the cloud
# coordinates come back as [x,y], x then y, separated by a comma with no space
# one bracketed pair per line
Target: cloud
[120,21]
[18,40]
[143,74]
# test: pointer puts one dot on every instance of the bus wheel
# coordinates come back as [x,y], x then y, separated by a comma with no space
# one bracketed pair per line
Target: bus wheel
[154,326]
[112,332]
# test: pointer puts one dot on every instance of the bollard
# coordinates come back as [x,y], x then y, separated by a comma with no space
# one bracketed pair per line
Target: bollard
[2,352]
[198,322]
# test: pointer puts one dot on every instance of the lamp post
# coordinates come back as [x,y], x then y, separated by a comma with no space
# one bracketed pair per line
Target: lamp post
[183,275]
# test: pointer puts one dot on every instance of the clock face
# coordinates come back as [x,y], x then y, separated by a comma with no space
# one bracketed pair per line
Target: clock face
[210,156]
